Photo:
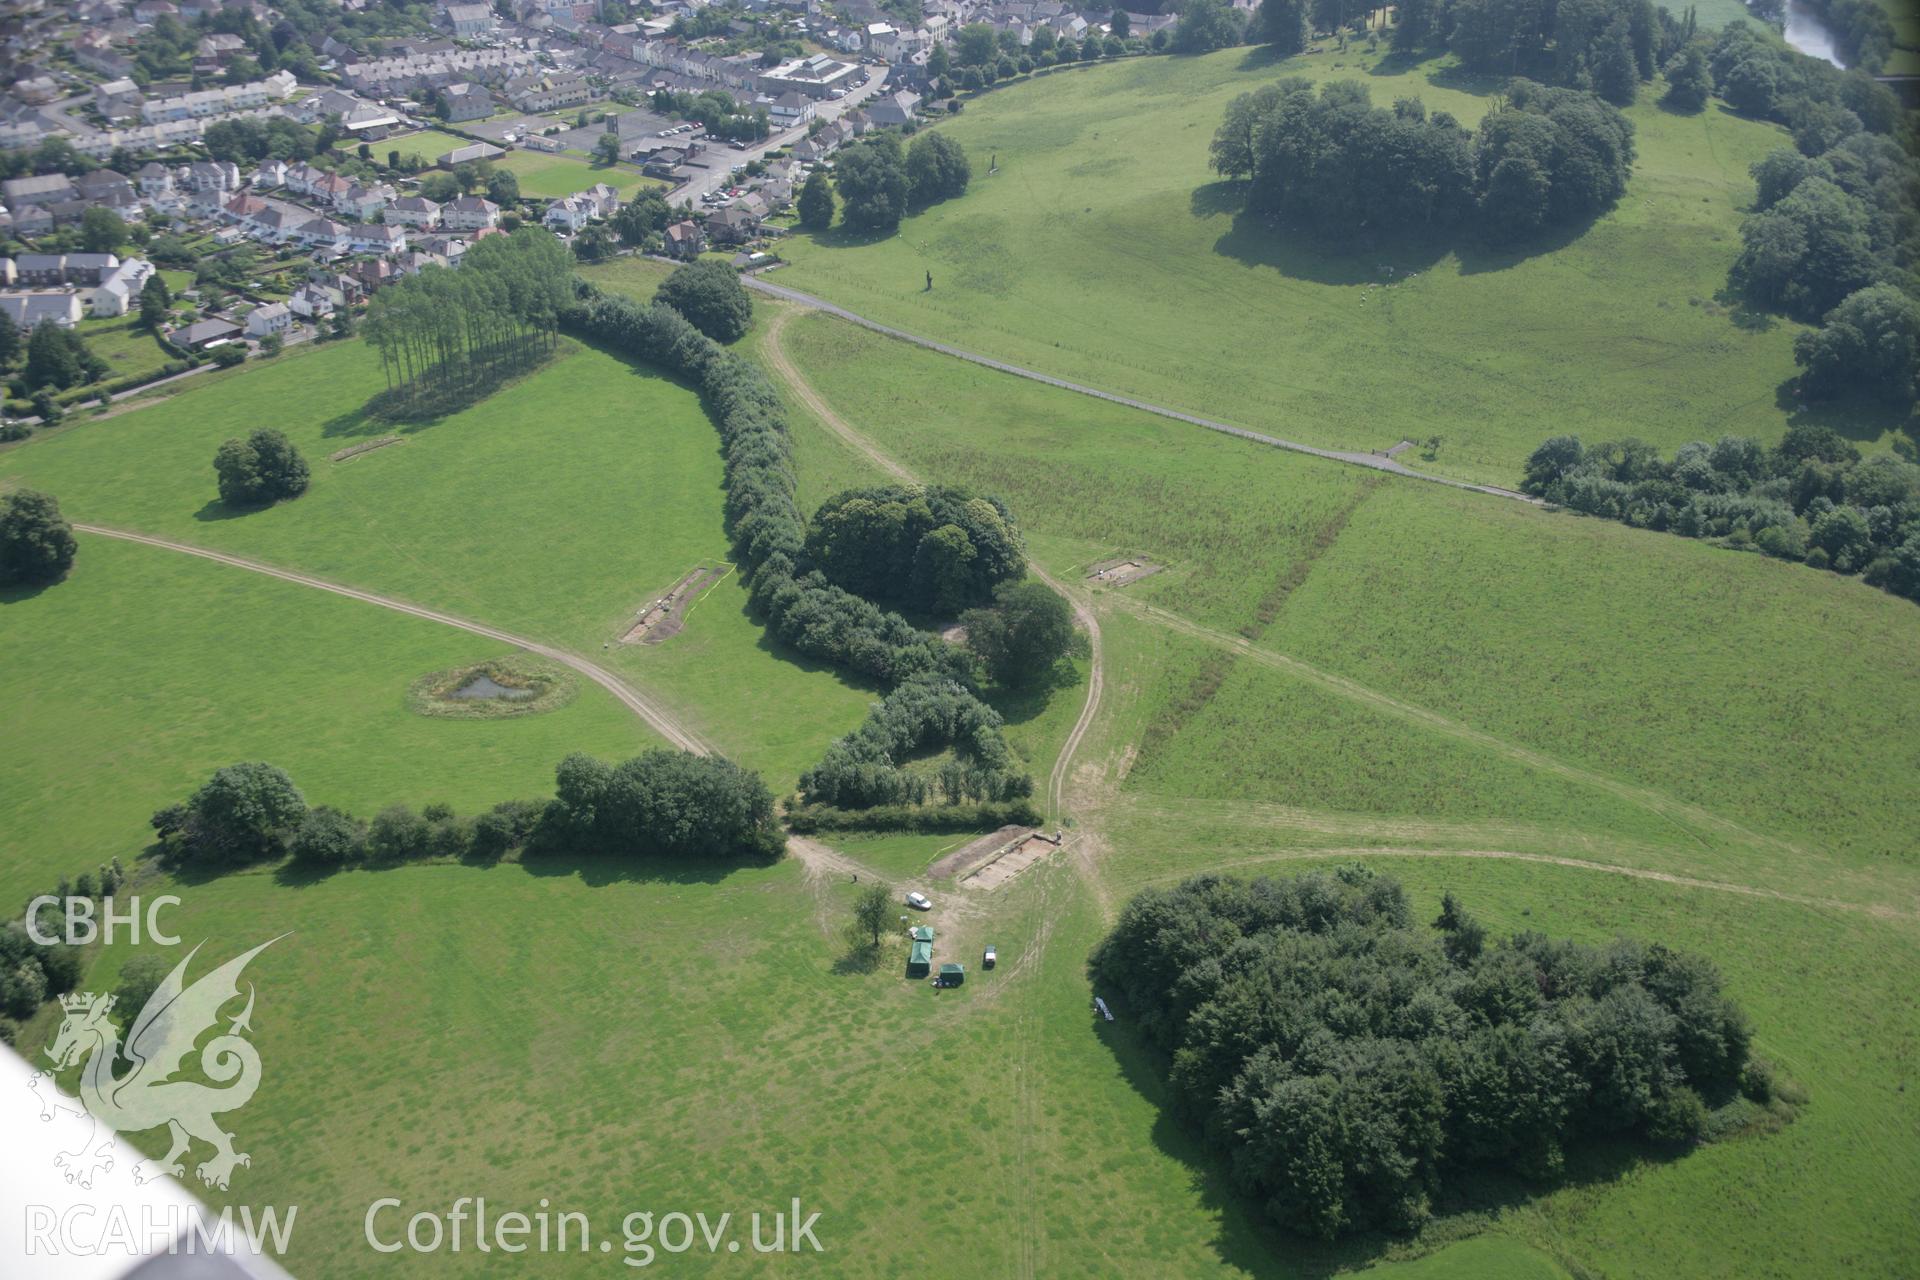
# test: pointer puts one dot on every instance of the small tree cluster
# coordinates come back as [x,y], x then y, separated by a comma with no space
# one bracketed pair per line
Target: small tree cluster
[1809,498]
[259,470]
[866,768]
[663,803]
[36,542]
[870,178]
[1349,1062]
[33,972]
[934,548]
[937,168]
[245,813]
[709,294]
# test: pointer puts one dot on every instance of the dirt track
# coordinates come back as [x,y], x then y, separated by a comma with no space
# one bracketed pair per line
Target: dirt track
[660,721]
[854,438]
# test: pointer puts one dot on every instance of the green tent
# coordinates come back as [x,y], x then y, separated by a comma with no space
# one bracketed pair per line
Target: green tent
[920,961]
[952,975]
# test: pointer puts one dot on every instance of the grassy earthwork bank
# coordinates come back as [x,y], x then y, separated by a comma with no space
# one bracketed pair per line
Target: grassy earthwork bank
[1105,251]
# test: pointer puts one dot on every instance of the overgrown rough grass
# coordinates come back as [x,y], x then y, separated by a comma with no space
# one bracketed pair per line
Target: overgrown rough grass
[1105,251]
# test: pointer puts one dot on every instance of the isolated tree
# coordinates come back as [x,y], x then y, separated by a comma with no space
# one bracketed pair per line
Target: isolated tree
[637,219]
[595,242]
[36,542]
[503,187]
[872,907]
[59,358]
[139,979]
[1869,344]
[709,294]
[1205,25]
[939,61]
[155,301]
[606,149]
[1120,23]
[9,340]
[1019,639]
[1689,79]
[245,812]
[816,199]
[101,230]
[937,168]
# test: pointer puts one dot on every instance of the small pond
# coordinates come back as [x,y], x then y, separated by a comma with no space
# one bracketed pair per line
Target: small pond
[485,686]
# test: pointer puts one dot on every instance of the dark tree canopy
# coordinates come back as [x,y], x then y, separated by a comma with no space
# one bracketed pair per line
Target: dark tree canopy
[709,294]
[1811,497]
[664,802]
[1019,639]
[934,548]
[36,542]
[1349,1061]
[261,469]
[937,168]
[244,813]
[871,179]
[1867,345]
[816,201]
[1338,165]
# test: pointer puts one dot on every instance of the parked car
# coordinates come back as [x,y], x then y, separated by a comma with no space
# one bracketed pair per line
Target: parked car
[919,902]
[991,958]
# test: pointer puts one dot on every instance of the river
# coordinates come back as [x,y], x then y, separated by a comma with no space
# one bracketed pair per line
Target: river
[1807,31]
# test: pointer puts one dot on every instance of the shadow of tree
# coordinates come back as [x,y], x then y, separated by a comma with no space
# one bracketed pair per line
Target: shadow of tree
[1858,418]
[858,960]
[1255,242]
[1744,312]
[20,593]
[1211,199]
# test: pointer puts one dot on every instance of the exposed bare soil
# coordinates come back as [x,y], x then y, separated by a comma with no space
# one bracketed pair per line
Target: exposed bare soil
[662,618]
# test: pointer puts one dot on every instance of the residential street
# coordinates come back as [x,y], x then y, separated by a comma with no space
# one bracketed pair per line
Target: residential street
[724,157]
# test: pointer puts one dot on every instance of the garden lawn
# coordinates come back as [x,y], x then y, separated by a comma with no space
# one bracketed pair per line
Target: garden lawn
[128,349]
[1104,251]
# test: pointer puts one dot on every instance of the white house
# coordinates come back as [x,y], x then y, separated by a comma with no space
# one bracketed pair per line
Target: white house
[470,213]
[568,215]
[119,292]
[413,211]
[272,318]
[315,302]
[58,307]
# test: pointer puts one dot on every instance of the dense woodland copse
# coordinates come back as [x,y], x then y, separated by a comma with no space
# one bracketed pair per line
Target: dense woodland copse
[1811,497]
[932,682]
[933,548]
[1337,164]
[1351,1064]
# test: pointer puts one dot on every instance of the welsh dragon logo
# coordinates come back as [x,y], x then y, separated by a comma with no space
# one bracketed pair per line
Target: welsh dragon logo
[162,1038]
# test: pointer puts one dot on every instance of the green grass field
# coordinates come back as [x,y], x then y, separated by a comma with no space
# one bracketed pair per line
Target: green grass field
[1104,251]
[146,671]
[1577,727]
[547,174]
[554,508]
[128,349]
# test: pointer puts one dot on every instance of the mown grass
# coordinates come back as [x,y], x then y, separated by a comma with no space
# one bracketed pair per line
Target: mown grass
[543,173]
[145,671]
[1105,251]
[553,508]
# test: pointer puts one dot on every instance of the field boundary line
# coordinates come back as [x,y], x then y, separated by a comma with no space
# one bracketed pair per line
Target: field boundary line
[1352,458]
[657,719]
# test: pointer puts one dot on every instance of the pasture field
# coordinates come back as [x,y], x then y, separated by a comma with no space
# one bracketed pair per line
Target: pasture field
[1594,645]
[146,671]
[554,508]
[1104,251]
